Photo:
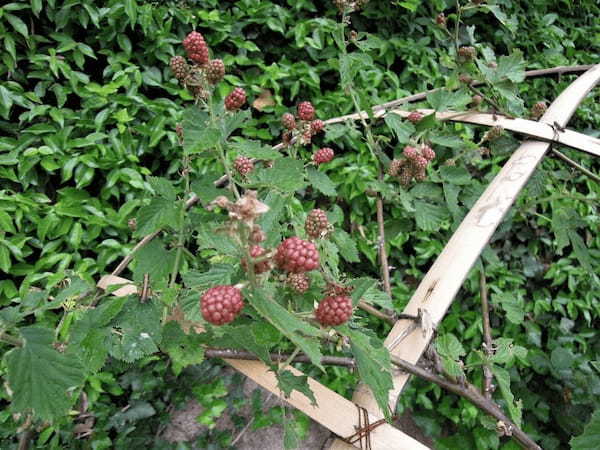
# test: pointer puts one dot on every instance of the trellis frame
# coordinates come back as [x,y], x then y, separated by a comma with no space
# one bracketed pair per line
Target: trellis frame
[441,283]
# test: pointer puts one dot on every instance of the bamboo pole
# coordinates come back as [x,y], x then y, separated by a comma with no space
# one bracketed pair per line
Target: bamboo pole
[445,277]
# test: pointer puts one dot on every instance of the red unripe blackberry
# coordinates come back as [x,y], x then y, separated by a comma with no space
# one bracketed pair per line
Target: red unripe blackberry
[243,165]
[296,255]
[215,71]
[395,166]
[196,47]
[420,175]
[299,282]
[427,152]
[323,155]
[406,176]
[179,67]
[410,152]
[288,121]
[221,304]
[335,289]
[316,126]
[306,111]
[420,162]
[256,251]
[235,100]
[334,310]
[415,117]
[316,223]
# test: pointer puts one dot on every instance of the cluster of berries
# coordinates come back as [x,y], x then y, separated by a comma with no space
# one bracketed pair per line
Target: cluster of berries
[294,256]
[203,72]
[303,126]
[413,165]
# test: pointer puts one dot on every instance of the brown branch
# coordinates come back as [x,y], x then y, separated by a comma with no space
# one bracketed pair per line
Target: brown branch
[487,336]
[383,260]
[468,392]
[576,165]
[374,311]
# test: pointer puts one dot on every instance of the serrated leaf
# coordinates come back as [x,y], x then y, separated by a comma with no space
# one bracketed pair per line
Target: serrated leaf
[255,149]
[208,238]
[373,364]
[40,377]
[321,182]
[298,331]
[375,296]
[288,382]
[286,175]
[159,213]
[136,330]
[448,345]
[155,260]
[590,438]
[402,129]
[503,379]
[163,187]
[346,245]
[443,99]
[183,349]
[218,274]
[456,175]
[361,286]
[511,67]
[580,250]
[206,190]
[429,217]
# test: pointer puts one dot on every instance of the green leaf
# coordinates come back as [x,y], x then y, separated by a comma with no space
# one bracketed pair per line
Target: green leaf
[346,245]
[429,217]
[443,99]
[183,349]
[321,182]
[503,379]
[286,175]
[402,129]
[131,10]
[208,238]
[159,213]
[510,67]
[136,330]
[456,175]
[361,287]
[580,250]
[374,365]
[163,187]
[512,304]
[40,377]
[448,345]
[17,24]
[155,260]
[206,190]
[288,324]
[217,274]
[288,382]
[562,358]
[6,223]
[590,438]
[255,149]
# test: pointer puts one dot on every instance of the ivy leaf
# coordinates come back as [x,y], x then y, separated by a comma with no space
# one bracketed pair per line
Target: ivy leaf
[288,382]
[374,366]
[590,438]
[346,245]
[515,409]
[288,324]
[402,130]
[321,182]
[216,275]
[159,213]
[40,377]
[183,349]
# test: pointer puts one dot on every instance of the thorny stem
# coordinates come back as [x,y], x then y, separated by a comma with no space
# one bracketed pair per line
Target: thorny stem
[375,151]
[457,25]
[492,102]
[487,335]
[576,165]
[181,232]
